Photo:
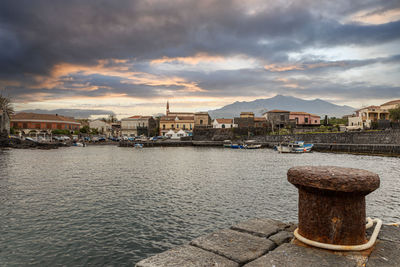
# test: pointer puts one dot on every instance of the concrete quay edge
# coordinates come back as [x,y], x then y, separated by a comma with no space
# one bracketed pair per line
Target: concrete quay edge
[267,242]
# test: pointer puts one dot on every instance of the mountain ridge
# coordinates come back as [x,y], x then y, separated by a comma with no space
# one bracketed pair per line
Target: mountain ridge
[259,106]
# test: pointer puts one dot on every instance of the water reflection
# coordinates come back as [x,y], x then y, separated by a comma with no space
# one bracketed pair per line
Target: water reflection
[110,205]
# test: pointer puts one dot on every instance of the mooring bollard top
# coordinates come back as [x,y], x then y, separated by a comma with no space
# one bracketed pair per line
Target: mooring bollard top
[334,178]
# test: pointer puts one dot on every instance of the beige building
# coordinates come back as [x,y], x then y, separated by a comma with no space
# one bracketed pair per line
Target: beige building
[138,125]
[101,126]
[202,119]
[365,116]
[391,104]
[176,123]
[183,121]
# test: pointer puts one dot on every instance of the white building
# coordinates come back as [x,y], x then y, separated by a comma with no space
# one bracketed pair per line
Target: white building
[101,126]
[224,123]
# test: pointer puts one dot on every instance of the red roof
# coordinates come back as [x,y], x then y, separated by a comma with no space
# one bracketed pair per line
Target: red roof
[262,119]
[43,117]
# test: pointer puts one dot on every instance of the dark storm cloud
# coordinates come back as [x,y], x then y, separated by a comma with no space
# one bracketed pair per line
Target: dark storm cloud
[37,35]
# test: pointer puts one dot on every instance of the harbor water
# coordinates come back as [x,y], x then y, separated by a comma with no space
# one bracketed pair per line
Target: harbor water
[108,205]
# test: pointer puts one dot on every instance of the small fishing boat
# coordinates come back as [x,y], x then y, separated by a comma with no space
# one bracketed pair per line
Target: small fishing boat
[78,144]
[294,147]
[237,146]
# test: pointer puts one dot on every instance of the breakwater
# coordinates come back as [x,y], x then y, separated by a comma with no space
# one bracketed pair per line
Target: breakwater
[372,149]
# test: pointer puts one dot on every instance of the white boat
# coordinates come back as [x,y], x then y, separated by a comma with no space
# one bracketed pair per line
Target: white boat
[294,147]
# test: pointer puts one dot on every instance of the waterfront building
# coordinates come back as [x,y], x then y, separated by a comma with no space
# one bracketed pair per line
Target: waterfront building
[390,105]
[223,123]
[33,123]
[304,118]
[245,120]
[176,123]
[185,121]
[364,117]
[202,120]
[138,125]
[4,122]
[260,122]
[101,126]
[277,118]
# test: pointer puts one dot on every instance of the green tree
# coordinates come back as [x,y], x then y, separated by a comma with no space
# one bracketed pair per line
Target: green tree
[59,131]
[395,113]
[85,129]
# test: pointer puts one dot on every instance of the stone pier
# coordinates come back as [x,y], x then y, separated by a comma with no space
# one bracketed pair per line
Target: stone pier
[267,242]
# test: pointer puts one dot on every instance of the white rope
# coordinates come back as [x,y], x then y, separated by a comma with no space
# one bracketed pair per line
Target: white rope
[367,245]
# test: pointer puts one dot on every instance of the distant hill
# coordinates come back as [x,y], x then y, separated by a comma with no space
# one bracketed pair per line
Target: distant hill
[76,113]
[259,106]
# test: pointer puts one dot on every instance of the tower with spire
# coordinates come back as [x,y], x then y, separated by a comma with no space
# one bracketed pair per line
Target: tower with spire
[167,108]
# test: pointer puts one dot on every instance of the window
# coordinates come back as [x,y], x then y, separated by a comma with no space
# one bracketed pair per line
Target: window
[172,126]
[177,126]
[25,125]
[37,125]
[315,121]
[190,126]
[282,117]
[163,126]
[306,120]
[297,120]
[59,126]
[48,125]
[184,127]
[201,122]
[15,125]
[223,125]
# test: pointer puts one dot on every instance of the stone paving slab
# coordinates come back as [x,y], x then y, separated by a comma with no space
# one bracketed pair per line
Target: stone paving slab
[237,246]
[281,237]
[290,255]
[186,256]
[260,227]
[385,254]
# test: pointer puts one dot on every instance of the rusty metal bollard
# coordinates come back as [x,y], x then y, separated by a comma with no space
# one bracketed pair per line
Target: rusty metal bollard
[332,202]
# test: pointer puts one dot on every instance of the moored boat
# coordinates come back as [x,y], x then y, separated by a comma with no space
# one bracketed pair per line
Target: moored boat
[294,147]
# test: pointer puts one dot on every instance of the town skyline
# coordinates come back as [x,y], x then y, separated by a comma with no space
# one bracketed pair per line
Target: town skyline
[130,57]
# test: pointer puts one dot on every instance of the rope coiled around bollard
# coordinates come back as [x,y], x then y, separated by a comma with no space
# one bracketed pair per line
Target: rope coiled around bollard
[370,243]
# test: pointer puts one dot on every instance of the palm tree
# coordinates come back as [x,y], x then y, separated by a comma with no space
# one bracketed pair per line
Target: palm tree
[6,105]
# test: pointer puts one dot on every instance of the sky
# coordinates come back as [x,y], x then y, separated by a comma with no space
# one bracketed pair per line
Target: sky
[130,57]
